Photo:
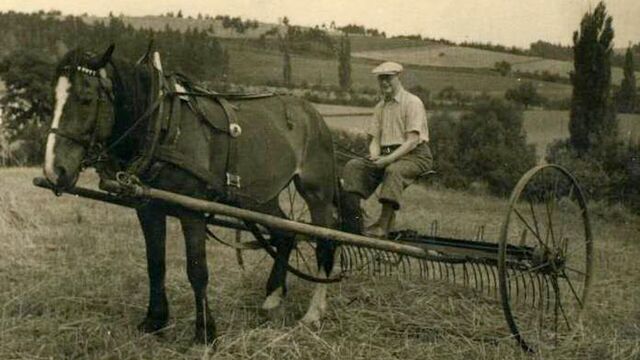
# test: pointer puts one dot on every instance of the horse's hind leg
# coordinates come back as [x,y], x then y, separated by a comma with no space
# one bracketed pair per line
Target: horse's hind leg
[194,230]
[153,222]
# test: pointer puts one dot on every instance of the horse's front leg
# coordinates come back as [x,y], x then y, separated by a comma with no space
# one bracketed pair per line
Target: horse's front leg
[194,230]
[153,222]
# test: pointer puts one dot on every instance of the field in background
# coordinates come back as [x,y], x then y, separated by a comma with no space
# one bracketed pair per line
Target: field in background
[73,285]
[542,126]
[249,66]
[455,56]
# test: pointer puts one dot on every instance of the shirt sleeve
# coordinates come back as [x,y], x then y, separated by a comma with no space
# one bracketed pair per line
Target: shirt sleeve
[416,117]
[373,125]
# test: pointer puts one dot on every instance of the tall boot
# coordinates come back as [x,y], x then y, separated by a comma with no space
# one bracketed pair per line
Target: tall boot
[381,227]
[351,212]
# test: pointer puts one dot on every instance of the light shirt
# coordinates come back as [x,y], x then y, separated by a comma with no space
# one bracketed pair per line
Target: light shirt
[393,119]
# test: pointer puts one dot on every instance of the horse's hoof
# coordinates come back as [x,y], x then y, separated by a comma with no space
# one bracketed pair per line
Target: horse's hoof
[152,326]
[207,337]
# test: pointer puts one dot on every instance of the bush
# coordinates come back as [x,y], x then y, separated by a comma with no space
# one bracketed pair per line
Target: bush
[612,174]
[443,134]
[492,145]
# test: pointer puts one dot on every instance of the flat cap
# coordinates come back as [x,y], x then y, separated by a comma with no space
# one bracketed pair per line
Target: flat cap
[387,68]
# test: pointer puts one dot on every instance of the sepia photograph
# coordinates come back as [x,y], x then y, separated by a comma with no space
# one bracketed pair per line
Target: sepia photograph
[277,179]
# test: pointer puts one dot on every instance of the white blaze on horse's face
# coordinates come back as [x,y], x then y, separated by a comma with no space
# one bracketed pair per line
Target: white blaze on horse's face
[61,96]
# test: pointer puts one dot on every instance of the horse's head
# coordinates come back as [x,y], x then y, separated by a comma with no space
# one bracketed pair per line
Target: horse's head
[83,115]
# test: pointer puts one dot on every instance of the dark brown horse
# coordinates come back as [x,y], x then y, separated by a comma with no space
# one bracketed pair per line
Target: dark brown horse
[172,137]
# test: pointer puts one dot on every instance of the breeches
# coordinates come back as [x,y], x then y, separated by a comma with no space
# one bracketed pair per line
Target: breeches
[362,177]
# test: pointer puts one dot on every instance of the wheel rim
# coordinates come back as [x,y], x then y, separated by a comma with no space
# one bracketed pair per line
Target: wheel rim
[543,292]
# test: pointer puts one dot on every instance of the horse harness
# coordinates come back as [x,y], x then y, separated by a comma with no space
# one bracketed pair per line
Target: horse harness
[167,93]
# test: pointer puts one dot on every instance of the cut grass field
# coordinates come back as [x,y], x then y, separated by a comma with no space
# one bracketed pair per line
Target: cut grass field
[250,66]
[73,285]
[542,126]
[456,56]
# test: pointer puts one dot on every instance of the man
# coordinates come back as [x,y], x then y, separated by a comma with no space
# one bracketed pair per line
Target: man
[398,149]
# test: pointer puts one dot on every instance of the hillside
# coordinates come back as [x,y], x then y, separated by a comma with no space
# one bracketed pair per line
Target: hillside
[440,55]
[253,66]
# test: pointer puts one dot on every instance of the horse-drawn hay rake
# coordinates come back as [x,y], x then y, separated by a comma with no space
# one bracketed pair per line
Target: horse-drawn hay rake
[540,267]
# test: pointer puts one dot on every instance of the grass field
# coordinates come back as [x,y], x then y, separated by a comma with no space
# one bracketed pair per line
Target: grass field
[542,126]
[249,66]
[73,285]
[464,57]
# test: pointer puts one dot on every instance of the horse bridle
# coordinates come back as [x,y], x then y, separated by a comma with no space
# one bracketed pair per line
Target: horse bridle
[93,145]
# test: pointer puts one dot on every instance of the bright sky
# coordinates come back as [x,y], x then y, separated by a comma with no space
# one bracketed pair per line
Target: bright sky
[507,22]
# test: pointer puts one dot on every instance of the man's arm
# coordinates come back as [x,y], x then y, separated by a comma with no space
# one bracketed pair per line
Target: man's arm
[412,141]
[374,148]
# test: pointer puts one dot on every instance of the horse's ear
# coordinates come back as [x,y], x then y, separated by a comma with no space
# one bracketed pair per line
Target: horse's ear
[147,55]
[106,57]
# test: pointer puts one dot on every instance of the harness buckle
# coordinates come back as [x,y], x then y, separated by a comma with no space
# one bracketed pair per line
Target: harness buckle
[233,180]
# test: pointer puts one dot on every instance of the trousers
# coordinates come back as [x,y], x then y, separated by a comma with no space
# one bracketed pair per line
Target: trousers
[362,177]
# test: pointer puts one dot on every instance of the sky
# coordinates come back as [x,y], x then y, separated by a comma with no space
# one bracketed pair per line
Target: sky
[506,22]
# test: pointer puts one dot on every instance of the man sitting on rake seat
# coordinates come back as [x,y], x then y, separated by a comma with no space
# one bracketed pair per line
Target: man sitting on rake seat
[398,150]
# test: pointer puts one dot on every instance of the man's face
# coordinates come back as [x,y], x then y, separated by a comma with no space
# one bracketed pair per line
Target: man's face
[389,85]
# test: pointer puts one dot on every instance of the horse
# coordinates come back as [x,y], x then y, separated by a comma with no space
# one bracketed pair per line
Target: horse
[128,118]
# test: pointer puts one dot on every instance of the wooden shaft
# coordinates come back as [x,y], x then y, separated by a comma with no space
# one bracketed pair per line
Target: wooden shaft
[266,220]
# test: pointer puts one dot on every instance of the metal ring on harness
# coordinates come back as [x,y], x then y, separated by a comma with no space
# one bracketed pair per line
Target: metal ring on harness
[235,130]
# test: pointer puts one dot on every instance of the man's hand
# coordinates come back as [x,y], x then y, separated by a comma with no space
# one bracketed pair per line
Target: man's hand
[381,162]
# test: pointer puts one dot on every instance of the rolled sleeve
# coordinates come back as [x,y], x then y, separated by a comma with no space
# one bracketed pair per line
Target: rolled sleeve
[416,119]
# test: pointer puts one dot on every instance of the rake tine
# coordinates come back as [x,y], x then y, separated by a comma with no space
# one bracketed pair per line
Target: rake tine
[495,280]
[422,266]
[366,263]
[533,289]
[475,275]
[489,284]
[453,271]
[465,275]
[517,286]
[524,287]
[346,258]
[546,285]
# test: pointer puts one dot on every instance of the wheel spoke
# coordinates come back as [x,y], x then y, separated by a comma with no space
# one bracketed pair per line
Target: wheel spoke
[573,290]
[535,219]
[535,234]
[575,271]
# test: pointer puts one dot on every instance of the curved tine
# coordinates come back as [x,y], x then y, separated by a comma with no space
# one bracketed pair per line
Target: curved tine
[343,259]
[421,268]
[489,284]
[348,253]
[475,275]
[524,287]
[540,308]
[482,287]
[353,259]
[363,260]
[546,286]
[515,276]
[424,269]
[495,280]
[453,271]
[406,265]
[465,275]
[533,289]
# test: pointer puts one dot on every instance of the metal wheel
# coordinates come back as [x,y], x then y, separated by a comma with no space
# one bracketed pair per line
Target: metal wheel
[303,256]
[545,257]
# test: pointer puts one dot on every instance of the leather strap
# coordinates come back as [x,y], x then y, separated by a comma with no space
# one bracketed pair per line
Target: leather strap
[233,181]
